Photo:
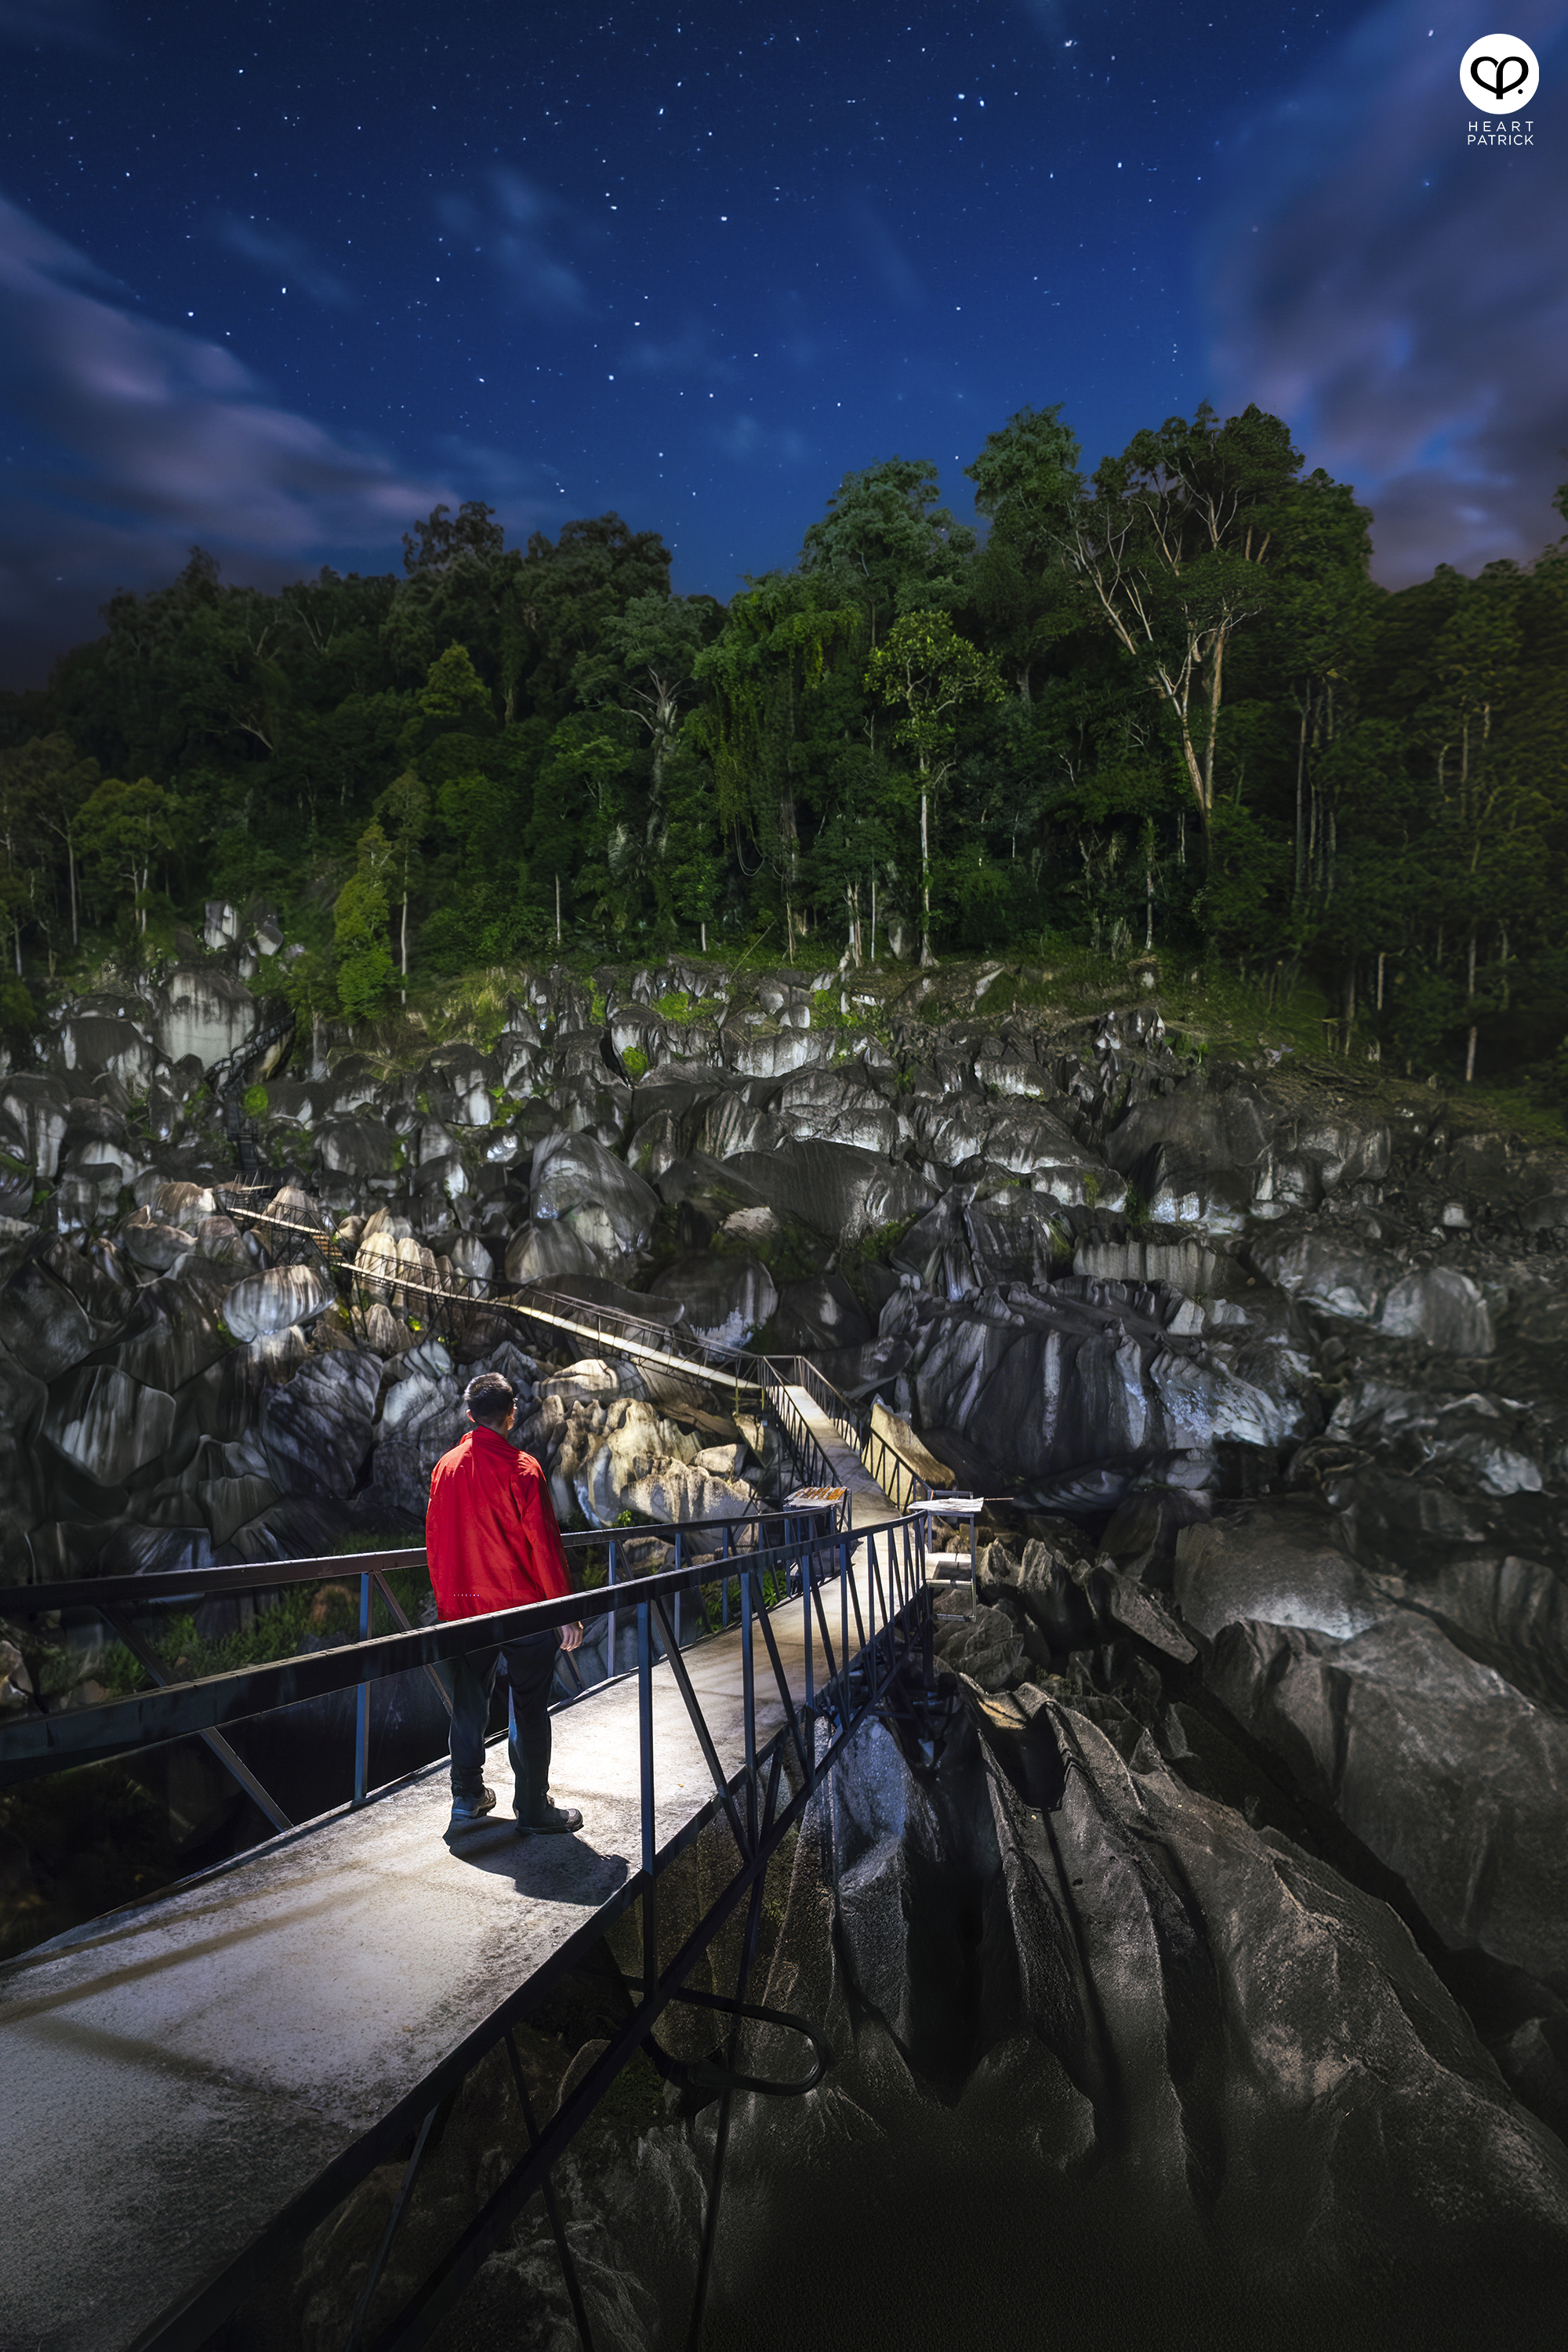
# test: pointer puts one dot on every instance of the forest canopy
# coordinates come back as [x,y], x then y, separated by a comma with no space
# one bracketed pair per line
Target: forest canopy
[1158,708]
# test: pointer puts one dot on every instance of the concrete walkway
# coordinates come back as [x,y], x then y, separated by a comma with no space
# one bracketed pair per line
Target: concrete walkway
[175,2075]
[869,1507]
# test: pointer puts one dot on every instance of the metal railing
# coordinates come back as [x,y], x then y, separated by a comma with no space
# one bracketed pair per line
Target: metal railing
[646,1339]
[708,1545]
[903,1485]
[883,1628]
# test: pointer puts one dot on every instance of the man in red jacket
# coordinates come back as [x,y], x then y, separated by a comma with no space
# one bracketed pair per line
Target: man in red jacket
[493,1543]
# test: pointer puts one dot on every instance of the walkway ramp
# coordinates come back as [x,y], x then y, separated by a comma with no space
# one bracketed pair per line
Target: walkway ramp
[177,2076]
[869,1507]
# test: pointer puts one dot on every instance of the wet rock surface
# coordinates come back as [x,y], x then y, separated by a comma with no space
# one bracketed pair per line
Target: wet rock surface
[1244,1861]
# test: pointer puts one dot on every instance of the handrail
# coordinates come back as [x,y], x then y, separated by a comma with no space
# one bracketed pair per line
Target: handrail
[707,1358]
[768,1375]
[331,1567]
[875,1654]
[881,1461]
[119,1726]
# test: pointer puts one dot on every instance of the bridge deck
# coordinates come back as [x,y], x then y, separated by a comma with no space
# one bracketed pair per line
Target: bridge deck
[869,1505]
[175,2075]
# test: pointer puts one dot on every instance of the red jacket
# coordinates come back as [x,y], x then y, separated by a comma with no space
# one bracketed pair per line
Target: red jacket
[491,1534]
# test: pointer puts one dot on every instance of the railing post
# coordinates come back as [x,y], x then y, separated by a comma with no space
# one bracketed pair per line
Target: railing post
[645,1746]
[610,1659]
[843,1551]
[809,1723]
[362,1702]
[871,1609]
[749,1707]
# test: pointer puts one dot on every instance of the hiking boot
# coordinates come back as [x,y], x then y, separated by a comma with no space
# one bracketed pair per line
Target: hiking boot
[467,1811]
[555,1819]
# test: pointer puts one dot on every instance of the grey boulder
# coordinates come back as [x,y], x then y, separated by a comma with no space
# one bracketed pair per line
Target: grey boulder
[575,1180]
[265,1303]
[204,1010]
[1443,1307]
[841,1191]
[727,1299]
[1448,1773]
[107,1424]
[316,1430]
[1279,1562]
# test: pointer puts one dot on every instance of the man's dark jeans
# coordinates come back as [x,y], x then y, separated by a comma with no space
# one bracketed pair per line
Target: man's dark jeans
[529,1667]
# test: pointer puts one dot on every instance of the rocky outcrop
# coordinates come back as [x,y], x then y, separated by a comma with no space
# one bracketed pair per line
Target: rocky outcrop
[1268,1375]
[1058,1947]
[723,1300]
[1435,1759]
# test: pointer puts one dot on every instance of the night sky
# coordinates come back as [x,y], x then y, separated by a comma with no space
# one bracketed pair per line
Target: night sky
[276,278]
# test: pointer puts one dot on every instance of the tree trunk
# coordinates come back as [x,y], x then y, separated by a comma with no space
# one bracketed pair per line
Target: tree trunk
[71,870]
[1215,664]
[558,910]
[1300,826]
[1348,1023]
[927,958]
[1380,962]
[1470,1059]
[873,914]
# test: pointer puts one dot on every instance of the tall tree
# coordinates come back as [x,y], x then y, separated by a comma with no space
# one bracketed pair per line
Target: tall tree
[406,805]
[125,829]
[644,663]
[1169,550]
[443,538]
[365,969]
[1027,483]
[885,547]
[782,640]
[924,668]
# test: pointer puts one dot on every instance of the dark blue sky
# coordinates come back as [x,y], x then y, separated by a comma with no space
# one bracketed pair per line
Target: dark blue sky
[276,278]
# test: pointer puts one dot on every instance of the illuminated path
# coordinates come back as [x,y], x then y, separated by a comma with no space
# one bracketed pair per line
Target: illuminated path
[176,2075]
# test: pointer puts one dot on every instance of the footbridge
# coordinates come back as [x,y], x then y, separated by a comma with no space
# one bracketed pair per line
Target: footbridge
[194,2083]
[876,1460]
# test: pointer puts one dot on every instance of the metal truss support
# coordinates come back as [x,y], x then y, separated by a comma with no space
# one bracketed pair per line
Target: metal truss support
[563,2244]
[429,2140]
[146,1656]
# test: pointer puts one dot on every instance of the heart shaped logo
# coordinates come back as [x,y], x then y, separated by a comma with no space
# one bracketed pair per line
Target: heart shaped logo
[1499,74]
[1500,77]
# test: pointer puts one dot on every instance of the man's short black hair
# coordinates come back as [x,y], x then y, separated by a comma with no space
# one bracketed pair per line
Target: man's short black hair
[489,1397]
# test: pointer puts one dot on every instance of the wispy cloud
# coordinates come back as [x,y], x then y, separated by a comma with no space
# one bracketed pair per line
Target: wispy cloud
[891,267]
[136,438]
[72,24]
[287,258]
[688,350]
[746,441]
[1399,297]
[533,240]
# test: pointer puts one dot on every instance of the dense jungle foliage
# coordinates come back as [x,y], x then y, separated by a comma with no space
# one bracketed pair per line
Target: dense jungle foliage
[1159,706]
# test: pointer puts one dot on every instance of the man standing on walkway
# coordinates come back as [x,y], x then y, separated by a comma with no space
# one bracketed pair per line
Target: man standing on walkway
[493,1543]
